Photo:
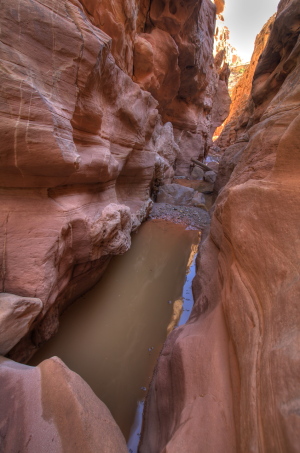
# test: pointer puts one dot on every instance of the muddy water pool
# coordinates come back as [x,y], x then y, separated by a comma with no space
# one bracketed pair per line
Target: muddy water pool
[112,335]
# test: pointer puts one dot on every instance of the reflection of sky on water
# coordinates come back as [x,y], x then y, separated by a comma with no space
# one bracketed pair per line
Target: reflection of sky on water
[188,302]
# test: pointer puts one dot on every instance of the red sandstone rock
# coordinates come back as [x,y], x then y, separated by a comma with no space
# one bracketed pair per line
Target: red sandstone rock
[240,349]
[220,5]
[82,144]
[233,136]
[169,61]
[157,43]
[156,65]
[118,20]
[222,45]
[16,317]
[77,156]
[241,107]
[51,409]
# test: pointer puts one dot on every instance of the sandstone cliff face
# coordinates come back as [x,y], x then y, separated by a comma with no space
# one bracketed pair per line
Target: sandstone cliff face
[233,132]
[82,142]
[242,105]
[173,60]
[222,43]
[229,380]
[77,155]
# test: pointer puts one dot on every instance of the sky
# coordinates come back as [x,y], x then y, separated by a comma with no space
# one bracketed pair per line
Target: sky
[245,19]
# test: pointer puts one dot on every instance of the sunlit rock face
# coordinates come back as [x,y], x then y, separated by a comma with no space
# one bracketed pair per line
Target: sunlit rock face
[166,47]
[173,60]
[229,380]
[100,102]
[233,136]
[242,104]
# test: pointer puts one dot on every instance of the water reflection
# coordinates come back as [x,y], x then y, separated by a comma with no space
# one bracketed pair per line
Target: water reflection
[113,334]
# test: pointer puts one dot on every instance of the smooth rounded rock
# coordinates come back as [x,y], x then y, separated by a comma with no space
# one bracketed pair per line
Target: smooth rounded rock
[210,176]
[49,408]
[175,194]
[197,173]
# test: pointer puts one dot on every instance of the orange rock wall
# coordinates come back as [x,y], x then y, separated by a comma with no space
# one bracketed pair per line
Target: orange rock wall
[242,106]
[229,380]
[74,128]
[173,60]
[99,101]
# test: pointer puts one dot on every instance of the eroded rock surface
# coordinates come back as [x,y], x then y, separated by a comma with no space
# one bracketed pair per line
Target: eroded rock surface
[242,106]
[169,61]
[77,156]
[82,143]
[229,380]
[16,317]
[49,408]
[233,132]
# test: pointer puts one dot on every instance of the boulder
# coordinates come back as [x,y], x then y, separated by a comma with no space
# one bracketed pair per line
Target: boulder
[210,176]
[198,199]
[175,194]
[197,173]
[213,165]
[49,408]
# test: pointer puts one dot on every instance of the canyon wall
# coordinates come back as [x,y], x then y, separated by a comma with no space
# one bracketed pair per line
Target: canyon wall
[100,100]
[242,105]
[233,136]
[229,380]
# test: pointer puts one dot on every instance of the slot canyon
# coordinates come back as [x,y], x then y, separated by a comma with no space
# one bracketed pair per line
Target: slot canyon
[141,154]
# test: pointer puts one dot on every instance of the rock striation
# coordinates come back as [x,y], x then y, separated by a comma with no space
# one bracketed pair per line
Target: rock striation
[229,380]
[233,132]
[77,156]
[100,102]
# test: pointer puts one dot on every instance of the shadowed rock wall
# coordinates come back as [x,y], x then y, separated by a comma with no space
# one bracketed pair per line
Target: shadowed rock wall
[173,60]
[229,380]
[77,155]
[82,142]
[233,132]
[99,101]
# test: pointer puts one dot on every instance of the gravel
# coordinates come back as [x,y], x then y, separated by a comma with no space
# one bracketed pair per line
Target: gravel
[194,218]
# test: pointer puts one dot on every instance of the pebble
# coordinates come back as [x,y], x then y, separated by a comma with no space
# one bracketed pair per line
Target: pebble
[193,217]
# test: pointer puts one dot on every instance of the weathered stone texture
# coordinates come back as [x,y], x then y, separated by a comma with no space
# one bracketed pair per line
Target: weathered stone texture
[51,409]
[77,155]
[173,60]
[82,143]
[242,105]
[229,380]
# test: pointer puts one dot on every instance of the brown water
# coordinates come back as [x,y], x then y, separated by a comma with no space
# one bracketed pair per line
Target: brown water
[112,335]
